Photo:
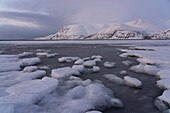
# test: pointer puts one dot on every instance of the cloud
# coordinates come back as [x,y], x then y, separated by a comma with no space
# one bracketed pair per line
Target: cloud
[48,16]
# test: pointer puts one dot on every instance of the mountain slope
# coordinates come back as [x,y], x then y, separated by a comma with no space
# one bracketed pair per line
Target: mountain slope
[150,25]
[120,31]
[137,29]
[76,31]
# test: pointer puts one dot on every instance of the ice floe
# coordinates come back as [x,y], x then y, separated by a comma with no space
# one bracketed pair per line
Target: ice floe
[163,102]
[64,72]
[164,83]
[95,69]
[109,64]
[79,62]
[79,68]
[30,68]
[90,63]
[127,62]
[144,68]
[96,57]
[14,77]
[29,92]
[113,78]
[123,72]
[13,63]
[132,82]
[25,54]
[68,59]
[164,74]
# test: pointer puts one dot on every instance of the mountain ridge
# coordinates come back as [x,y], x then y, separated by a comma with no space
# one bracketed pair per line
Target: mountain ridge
[136,29]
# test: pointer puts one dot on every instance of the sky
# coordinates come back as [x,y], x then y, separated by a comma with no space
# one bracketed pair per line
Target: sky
[26,19]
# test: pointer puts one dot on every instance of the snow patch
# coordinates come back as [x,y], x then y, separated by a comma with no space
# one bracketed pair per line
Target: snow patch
[132,82]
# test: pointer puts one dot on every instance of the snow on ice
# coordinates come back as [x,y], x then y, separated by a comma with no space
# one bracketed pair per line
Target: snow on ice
[109,64]
[132,82]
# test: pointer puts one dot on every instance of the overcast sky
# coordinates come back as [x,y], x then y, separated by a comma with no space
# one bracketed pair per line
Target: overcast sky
[34,18]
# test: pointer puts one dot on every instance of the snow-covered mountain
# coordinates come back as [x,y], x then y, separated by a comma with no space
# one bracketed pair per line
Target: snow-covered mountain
[120,31]
[77,31]
[150,25]
[137,29]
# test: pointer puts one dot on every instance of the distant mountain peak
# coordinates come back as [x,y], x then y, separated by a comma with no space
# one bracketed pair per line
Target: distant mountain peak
[136,29]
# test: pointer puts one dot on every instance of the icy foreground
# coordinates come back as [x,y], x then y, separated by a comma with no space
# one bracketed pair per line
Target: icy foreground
[137,29]
[154,61]
[24,88]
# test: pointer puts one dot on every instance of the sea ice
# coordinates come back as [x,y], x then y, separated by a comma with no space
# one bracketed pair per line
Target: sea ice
[64,72]
[30,68]
[123,72]
[79,68]
[127,62]
[95,69]
[90,63]
[29,92]
[164,83]
[163,102]
[68,59]
[113,78]
[165,73]
[144,68]
[132,82]
[109,64]
[79,62]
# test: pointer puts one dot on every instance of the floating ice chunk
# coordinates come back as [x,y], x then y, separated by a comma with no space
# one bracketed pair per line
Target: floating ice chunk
[127,62]
[68,59]
[77,92]
[86,58]
[117,103]
[99,95]
[29,92]
[79,68]
[24,54]
[34,86]
[96,57]
[30,61]
[93,96]
[164,74]
[79,62]
[42,50]
[52,55]
[163,102]
[97,60]
[109,64]
[11,78]
[30,68]
[64,72]
[95,69]
[32,75]
[132,82]
[42,54]
[6,108]
[9,66]
[113,78]
[164,83]
[44,67]
[93,112]
[123,72]
[90,63]
[143,68]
